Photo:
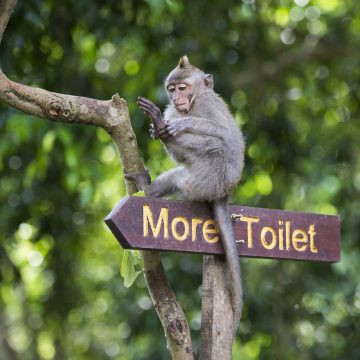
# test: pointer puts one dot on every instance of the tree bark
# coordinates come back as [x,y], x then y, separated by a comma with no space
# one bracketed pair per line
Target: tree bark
[217,312]
[113,117]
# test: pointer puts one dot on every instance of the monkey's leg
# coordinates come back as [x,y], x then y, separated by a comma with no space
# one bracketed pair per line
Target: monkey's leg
[167,183]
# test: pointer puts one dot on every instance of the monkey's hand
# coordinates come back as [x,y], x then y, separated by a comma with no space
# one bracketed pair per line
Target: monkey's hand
[176,126]
[155,115]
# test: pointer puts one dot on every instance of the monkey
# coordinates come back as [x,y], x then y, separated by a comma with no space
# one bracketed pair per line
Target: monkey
[200,134]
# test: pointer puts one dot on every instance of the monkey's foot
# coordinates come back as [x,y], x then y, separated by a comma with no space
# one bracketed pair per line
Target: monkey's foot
[141,180]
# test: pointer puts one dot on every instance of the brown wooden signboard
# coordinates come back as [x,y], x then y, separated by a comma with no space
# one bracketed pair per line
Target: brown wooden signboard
[183,226]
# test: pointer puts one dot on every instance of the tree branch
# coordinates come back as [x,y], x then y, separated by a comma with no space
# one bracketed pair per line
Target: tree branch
[113,117]
[7,7]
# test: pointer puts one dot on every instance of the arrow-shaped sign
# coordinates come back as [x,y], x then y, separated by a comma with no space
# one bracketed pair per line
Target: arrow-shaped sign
[183,226]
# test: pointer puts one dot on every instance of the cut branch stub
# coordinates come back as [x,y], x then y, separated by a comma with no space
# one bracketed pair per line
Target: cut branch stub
[61,109]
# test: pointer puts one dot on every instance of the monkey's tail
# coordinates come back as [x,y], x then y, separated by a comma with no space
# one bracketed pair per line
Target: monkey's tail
[222,216]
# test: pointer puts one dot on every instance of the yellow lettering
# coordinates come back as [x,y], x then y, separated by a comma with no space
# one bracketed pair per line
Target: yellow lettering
[299,236]
[148,219]
[281,235]
[184,221]
[287,235]
[264,231]
[210,227]
[249,220]
[312,234]
[194,223]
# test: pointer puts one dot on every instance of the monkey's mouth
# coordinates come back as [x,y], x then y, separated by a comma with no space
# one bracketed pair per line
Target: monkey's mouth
[181,103]
[183,107]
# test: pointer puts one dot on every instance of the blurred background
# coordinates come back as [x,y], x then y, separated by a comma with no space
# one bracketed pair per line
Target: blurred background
[290,71]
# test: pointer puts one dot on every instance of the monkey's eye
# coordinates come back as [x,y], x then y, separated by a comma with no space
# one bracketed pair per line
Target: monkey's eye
[182,87]
[171,88]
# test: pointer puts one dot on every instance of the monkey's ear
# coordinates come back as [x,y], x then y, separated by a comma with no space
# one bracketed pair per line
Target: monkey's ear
[209,81]
[184,61]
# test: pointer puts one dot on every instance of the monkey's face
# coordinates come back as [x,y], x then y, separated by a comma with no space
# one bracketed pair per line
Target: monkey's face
[181,95]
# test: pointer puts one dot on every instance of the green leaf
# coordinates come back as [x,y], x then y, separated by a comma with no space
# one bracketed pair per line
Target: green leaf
[139,193]
[127,269]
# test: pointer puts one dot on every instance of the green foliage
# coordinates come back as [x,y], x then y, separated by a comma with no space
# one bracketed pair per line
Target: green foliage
[130,261]
[290,73]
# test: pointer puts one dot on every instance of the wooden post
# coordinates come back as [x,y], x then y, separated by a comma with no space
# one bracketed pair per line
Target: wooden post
[217,314]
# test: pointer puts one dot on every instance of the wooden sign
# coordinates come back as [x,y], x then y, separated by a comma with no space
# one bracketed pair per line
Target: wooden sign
[183,226]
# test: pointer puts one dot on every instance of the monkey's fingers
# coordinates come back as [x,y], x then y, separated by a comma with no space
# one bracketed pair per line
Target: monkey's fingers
[147,104]
[146,108]
[141,102]
[163,133]
[174,128]
[152,111]
[143,105]
[145,100]
[154,136]
[149,110]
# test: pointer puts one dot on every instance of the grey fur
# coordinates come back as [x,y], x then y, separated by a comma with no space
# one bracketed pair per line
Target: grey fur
[209,148]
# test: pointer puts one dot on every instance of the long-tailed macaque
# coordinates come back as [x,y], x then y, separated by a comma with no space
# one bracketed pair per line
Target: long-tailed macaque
[200,134]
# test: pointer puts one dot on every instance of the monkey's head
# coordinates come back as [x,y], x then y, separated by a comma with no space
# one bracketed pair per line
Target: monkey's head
[184,83]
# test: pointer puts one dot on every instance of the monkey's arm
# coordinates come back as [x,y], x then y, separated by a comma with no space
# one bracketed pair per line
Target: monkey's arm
[199,126]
